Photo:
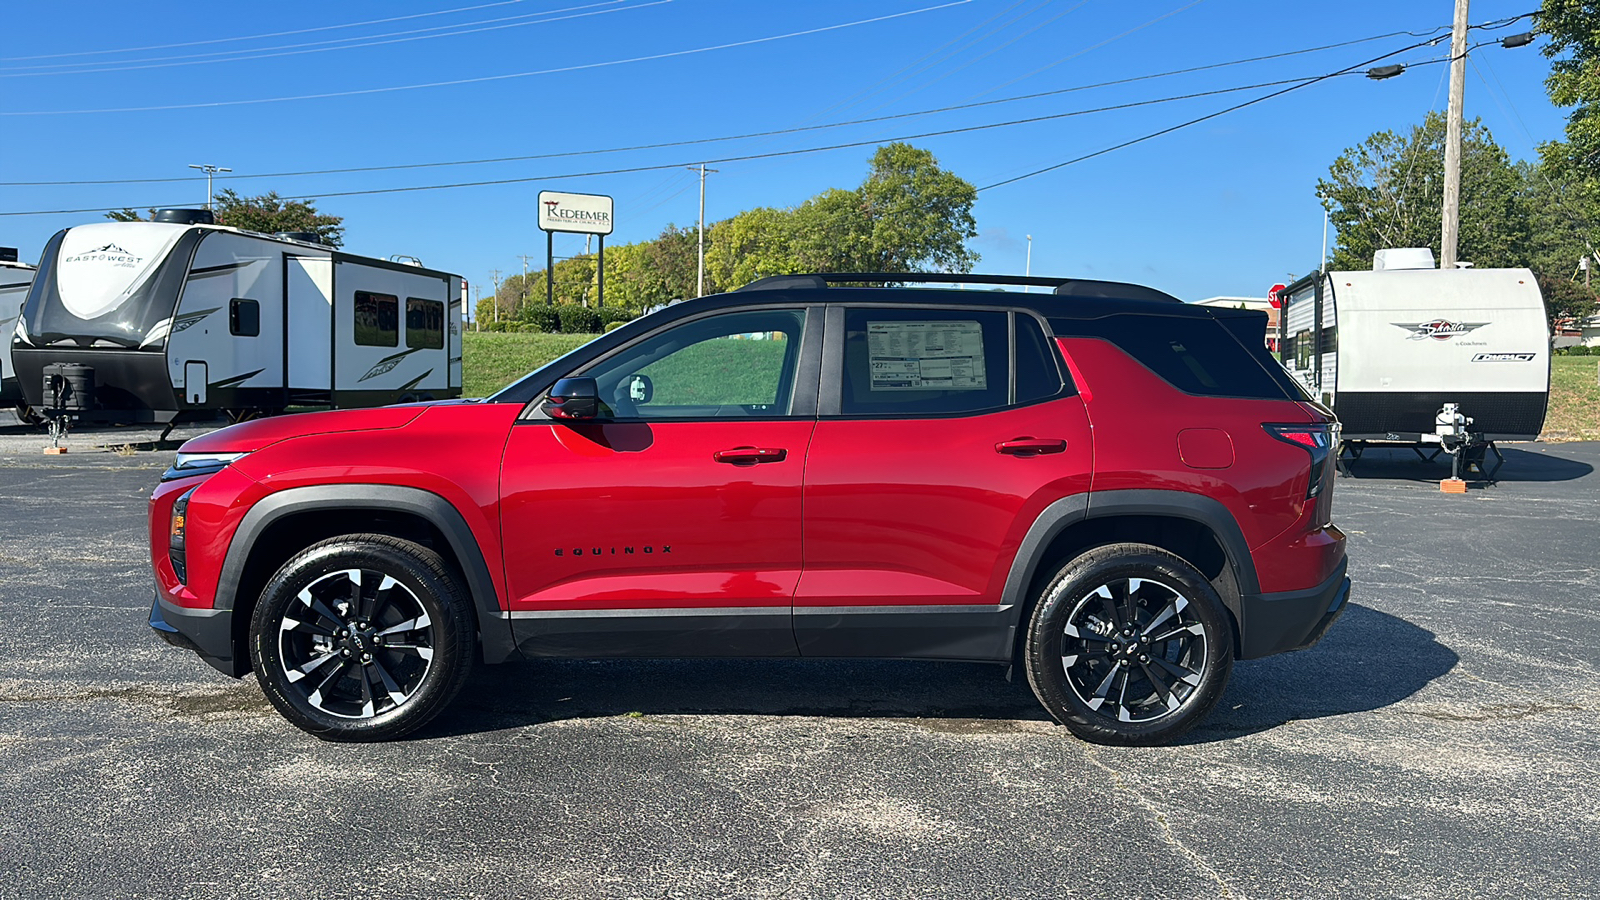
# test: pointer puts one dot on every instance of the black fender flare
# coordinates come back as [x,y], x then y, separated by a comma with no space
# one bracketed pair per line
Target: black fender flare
[1069,511]
[493,628]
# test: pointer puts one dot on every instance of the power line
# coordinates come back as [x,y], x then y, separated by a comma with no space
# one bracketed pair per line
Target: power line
[734,137]
[254,37]
[397,37]
[487,78]
[1222,112]
[778,153]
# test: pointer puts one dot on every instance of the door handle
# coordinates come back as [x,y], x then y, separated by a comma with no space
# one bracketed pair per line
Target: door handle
[749,456]
[1026,446]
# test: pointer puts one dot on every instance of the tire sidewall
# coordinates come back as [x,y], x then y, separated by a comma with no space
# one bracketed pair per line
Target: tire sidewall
[406,563]
[1080,577]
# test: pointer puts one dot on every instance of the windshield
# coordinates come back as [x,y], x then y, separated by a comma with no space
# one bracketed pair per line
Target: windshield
[108,285]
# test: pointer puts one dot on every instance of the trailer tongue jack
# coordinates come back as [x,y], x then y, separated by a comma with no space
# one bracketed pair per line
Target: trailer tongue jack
[1452,431]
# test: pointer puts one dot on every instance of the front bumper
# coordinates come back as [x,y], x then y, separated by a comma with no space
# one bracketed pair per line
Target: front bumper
[208,632]
[1291,620]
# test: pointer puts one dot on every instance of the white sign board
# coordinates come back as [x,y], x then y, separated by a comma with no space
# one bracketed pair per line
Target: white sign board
[578,213]
[921,356]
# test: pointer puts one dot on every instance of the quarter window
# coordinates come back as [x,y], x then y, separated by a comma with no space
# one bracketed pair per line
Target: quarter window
[377,319]
[244,317]
[424,324]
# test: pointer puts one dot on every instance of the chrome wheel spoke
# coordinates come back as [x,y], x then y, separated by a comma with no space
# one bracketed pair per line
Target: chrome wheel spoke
[1187,676]
[416,624]
[396,696]
[1195,629]
[299,672]
[1163,690]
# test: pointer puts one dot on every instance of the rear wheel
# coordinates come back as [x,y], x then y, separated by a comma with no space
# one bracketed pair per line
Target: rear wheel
[1129,644]
[362,638]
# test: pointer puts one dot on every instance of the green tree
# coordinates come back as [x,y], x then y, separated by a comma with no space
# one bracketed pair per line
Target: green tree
[920,214]
[265,213]
[268,213]
[1573,29]
[1389,191]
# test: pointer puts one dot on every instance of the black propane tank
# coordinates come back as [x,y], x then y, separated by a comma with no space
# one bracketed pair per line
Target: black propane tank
[69,386]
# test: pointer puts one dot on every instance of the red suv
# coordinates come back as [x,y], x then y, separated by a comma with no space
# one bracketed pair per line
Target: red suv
[1117,491]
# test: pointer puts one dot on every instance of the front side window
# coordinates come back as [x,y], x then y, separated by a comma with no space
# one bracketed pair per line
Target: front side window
[377,319]
[424,324]
[734,364]
[925,362]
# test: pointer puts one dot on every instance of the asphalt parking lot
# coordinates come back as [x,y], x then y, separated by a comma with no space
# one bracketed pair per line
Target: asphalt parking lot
[1442,741]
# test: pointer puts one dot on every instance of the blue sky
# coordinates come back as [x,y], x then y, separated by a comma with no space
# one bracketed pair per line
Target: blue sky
[1223,207]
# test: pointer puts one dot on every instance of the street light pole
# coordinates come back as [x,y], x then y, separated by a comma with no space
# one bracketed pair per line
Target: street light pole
[210,170]
[700,269]
[1451,214]
[1027,267]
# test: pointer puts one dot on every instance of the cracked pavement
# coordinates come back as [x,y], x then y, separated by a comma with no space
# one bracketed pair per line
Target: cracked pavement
[1442,741]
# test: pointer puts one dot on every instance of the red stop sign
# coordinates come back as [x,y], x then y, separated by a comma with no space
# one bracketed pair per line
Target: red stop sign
[1272,295]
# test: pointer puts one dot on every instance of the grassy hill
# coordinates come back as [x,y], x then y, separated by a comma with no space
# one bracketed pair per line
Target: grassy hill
[490,361]
[1574,400]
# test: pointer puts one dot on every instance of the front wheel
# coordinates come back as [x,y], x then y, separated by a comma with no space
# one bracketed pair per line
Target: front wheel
[1130,645]
[362,638]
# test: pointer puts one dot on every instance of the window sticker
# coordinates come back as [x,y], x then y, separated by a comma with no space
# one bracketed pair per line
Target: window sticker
[924,356]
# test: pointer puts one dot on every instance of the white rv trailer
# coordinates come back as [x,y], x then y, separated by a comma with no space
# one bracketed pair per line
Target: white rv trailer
[1387,349]
[14,280]
[180,316]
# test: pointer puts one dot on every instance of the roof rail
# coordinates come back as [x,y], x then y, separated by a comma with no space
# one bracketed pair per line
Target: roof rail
[1061,287]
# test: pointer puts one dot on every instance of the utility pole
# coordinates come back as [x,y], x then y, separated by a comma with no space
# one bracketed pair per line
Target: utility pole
[210,170]
[1451,214]
[700,271]
[494,275]
[524,298]
[477,294]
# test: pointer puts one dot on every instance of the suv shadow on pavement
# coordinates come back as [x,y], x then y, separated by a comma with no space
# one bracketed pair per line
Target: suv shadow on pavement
[1372,661]
[1403,464]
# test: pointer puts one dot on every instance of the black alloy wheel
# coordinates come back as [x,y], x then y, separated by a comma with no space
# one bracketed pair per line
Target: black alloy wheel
[362,638]
[1129,644]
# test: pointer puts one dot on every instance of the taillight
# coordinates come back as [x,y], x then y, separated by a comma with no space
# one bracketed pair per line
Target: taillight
[177,533]
[1316,440]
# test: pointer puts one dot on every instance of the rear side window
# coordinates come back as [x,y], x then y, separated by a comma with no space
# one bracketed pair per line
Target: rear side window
[1195,355]
[925,362]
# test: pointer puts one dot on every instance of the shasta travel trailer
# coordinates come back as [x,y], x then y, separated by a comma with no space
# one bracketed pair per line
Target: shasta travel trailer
[152,321]
[1387,349]
[14,280]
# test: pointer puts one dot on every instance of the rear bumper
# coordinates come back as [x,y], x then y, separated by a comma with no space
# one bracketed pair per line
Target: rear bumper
[208,632]
[1291,620]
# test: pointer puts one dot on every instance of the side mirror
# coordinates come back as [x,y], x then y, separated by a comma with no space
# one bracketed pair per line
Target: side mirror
[573,398]
[640,389]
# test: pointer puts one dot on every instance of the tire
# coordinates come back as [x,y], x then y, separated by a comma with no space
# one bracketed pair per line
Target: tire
[1129,645]
[368,657]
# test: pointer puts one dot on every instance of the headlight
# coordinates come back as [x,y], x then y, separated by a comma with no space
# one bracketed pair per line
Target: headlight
[189,464]
[177,532]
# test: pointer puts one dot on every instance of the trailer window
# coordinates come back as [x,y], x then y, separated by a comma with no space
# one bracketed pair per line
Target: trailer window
[377,319]
[244,317]
[424,324]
